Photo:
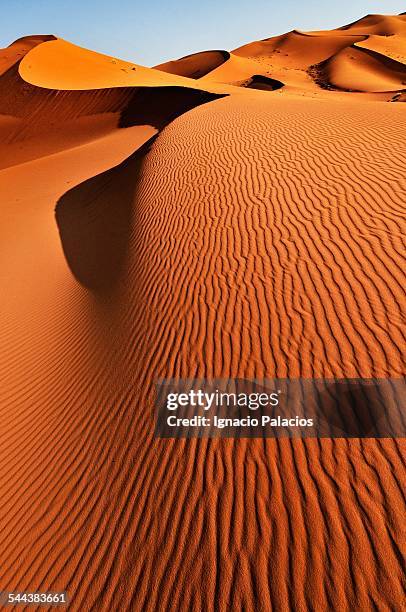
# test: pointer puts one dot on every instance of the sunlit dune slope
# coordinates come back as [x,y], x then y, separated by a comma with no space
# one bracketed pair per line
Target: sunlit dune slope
[382,25]
[361,69]
[235,71]
[257,236]
[16,51]
[297,50]
[392,46]
[85,69]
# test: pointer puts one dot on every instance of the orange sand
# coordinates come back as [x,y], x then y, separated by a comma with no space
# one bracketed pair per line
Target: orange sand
[155,225]
[196,65]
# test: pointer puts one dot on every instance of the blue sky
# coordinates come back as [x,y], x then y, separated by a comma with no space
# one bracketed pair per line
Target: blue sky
[157,30]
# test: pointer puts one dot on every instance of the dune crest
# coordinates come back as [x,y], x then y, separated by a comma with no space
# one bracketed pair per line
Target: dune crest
[195,65]
[85,69]
[16,51]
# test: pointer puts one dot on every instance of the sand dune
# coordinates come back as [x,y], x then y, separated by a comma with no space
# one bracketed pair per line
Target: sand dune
[85,69]
[155,226]
[342,65]
[16,51]
[234,71]
[196,65]
[389,46]
[298,50]
[304,61]
[364,70]
[44,110]
[382,25]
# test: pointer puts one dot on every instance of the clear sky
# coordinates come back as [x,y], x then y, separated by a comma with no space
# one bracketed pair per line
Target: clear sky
[153,31]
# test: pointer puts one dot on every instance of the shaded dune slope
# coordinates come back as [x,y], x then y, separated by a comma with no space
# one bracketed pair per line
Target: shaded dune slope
[258,81]
[94,221]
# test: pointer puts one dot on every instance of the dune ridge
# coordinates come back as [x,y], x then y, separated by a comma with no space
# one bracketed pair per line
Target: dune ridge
[195,65]
[13,54]
[168,226]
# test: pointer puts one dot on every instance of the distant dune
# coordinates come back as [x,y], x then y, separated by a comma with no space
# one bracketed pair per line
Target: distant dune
[227,214]
[354,58]
[196,65]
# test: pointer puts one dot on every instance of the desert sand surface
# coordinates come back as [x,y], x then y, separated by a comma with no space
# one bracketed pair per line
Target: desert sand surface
[228,214]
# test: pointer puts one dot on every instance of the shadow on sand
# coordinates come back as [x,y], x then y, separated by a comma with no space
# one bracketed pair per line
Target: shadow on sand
[95,219]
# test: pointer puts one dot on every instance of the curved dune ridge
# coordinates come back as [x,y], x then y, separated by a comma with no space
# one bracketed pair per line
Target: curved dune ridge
[85,69]
[44,109]
[15,52]
[246,223]
[195,65]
